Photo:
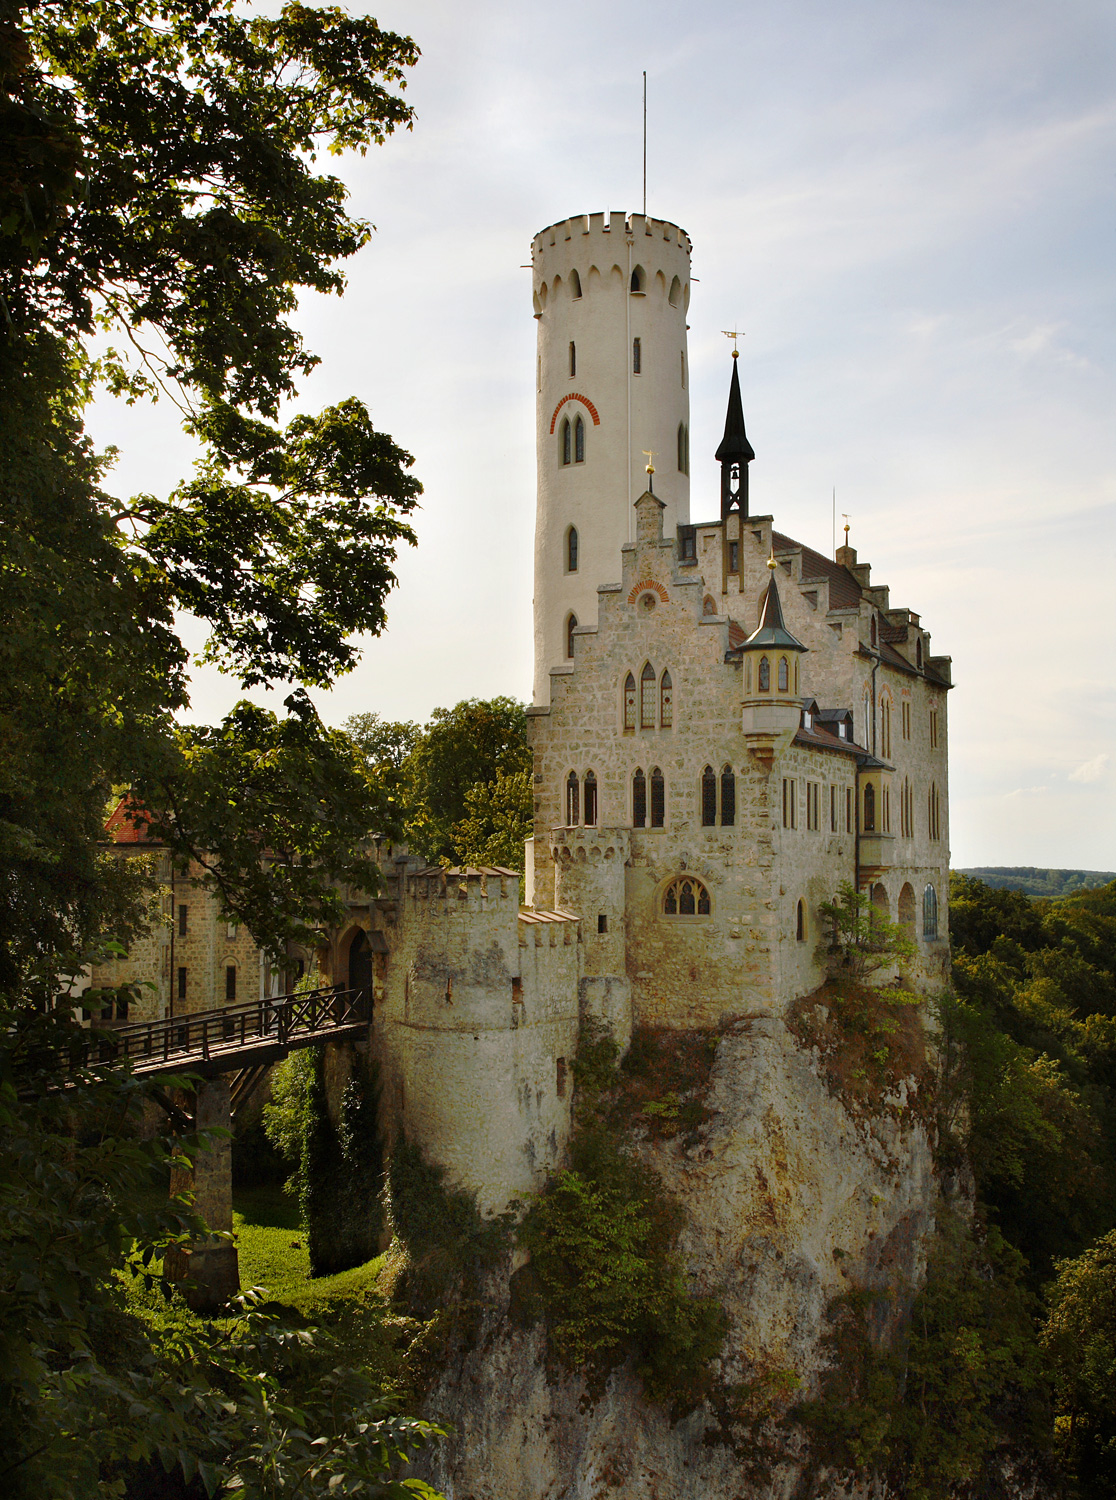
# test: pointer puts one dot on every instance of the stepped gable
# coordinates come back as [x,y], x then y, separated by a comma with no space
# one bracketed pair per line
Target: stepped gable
[844,591]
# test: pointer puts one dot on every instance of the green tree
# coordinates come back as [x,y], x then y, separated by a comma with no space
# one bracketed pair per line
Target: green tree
[861,943]
[499,816]
[1080,1341]
[473,744]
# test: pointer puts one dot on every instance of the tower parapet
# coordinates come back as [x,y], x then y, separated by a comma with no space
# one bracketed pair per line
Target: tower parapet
[612,382]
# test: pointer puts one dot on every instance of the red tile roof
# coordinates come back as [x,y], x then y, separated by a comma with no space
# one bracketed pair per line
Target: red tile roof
[844,591]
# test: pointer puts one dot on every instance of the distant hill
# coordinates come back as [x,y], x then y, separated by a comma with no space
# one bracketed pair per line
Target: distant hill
[1039,882]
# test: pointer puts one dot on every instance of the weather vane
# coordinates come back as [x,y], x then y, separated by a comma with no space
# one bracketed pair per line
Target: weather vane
[845,518]
[648,455]
[733,334]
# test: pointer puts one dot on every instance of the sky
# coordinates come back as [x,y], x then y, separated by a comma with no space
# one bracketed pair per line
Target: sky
[908,207]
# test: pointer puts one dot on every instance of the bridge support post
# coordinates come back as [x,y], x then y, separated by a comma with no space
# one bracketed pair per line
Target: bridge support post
[210,1264]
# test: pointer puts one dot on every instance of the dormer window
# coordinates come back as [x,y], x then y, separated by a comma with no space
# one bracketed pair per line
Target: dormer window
[807,719]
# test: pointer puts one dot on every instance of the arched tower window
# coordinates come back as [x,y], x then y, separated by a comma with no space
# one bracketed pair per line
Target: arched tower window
[764,675]
[629,704]
[571,550]
[784,675]
[637,280]
[929,912]
[575,288]
[674,296]
[637,357]
[686,897]
[728,797]
[869,808]
[573,800]
[571,626]
[639,799]
[647,697]
[658,798]
[573,358]
[666,702]
[708,798]
[579,441]
[800,922]
[590,800]
[565,442]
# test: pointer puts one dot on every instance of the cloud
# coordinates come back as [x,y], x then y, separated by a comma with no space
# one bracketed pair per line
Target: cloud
[1091,770]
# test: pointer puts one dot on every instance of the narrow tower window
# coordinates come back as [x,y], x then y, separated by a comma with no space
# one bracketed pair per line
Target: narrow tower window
[571,550]
[674,296]
[629,704]
[708,798]
[800,922]
[639,799]
[734,557]
[681,447]
[590,800]
[666,702]
[658,798]
[637,280]
[682,363]
[728,797]
[566,442]
[571,626]
[647,697]
[637,358]
[575,286]
[573,800]
[573,358]
[579,441]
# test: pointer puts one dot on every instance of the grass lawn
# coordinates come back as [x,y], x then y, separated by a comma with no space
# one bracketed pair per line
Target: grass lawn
[273,1253]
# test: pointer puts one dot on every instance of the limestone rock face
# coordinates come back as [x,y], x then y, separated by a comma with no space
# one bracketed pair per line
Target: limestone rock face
[790,1200]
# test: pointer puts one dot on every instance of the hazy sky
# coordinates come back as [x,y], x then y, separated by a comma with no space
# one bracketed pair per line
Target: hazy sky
[909,207]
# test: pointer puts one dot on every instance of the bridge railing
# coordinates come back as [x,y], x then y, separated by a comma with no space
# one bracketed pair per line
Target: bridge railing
[279,1020]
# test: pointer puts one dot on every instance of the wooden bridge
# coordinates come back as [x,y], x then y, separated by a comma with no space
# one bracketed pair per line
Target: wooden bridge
[235,1037]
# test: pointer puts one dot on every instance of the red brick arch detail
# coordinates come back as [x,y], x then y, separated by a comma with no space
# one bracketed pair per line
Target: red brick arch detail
[574,396]
[648,583]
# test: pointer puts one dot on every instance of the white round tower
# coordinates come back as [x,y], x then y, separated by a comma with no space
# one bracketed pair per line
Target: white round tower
[612,380]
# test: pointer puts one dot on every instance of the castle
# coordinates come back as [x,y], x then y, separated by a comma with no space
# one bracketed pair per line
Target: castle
[726,726]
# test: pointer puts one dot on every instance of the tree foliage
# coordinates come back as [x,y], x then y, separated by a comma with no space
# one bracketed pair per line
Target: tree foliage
[1080,1343]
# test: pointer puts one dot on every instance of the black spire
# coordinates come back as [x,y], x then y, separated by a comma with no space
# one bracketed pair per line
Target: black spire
[735,453]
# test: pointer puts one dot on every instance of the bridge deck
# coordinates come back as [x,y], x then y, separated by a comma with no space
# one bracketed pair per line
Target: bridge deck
[236,1036]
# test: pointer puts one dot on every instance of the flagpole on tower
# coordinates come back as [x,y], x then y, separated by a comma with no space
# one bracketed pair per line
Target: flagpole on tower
[645,143]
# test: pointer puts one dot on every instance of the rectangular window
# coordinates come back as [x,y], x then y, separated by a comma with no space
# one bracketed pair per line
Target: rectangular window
[182,980]
[906,720]
[728,799]
[734,557]
[933,729]
[182,921]
[658,801]
[230,984]
[639,802]
[602,923]
[885,799]
[790,802]
[833,809]
[849,824]
[637,357]
[813,806]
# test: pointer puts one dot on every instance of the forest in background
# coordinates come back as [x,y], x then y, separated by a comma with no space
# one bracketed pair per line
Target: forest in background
[1037,882]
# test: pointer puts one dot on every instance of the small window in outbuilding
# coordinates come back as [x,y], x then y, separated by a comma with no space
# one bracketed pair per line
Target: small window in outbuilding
[602,923]
[230,984]
[182,984]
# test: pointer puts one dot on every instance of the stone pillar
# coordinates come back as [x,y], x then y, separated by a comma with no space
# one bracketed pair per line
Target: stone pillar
[210,1265]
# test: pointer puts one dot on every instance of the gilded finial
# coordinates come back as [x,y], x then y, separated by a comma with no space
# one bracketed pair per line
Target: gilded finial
[648,455]
[771,563]
[731,333]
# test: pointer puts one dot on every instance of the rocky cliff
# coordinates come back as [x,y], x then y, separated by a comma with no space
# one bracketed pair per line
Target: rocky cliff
[793,1195]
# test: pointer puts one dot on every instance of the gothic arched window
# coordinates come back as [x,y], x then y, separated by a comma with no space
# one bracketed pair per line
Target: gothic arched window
[571,626]
[647,697]
[565,447]
[764,675]
[708,798]
[686,897]
[579,441]
[666,702]
[639,799]
[629,703]
[784,674]
[637,280]
[869,808]
[573,800]
[658,798]
[590,800]
[571,550]
[728,797]
[929,912]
